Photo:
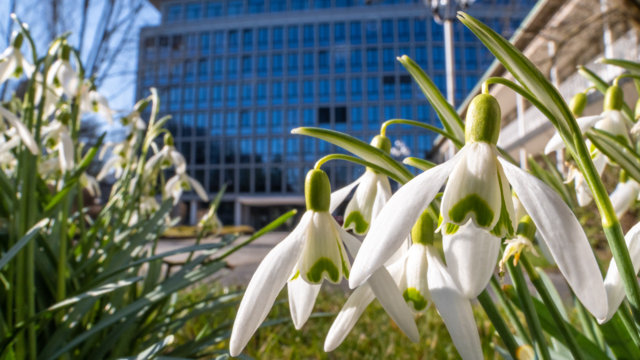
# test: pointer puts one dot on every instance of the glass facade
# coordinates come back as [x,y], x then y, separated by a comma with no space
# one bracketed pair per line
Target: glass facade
[236,87]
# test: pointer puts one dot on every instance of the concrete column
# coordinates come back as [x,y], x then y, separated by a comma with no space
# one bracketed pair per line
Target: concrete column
[193,212]
[237,212]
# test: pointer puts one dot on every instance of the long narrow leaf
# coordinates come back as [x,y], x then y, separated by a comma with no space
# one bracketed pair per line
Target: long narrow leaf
[602,86]
[15,249]
[616,150]
[97,292]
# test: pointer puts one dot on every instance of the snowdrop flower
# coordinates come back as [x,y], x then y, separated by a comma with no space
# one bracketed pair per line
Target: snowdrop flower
[180,182]
[90,184]
[523,240]
[93,101]
[583,192]
[624,195]
[56,135]
[478,192]
[166,157]
[21,130]
[400,149]
[312,252]
[12,63]
[613,281]
[610,120]
[61,75]
[210,222]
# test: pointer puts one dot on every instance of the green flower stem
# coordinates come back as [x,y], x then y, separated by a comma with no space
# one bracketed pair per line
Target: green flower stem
[551,306]
[383,129]
[627,320]
[529,311]
[356,160]
[511,312]
[498,323]
[588,326]
[624,76]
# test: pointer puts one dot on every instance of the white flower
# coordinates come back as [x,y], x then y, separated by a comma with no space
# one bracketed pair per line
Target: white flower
[57,135]
[21,130]
[210,222]
[64,79]
[613,281]
[623,196]
[313,252]
[180,182]
[93,101]
[371,195]
[514,248]
[583,192]
[90,184]
[167,156]
[12,63]
[478,190]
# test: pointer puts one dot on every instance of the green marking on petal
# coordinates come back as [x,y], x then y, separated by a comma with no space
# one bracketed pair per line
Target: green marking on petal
[472,203]
[360,224]
[295,276]
[504,226]
[450,229]
[413,296]
[320,267]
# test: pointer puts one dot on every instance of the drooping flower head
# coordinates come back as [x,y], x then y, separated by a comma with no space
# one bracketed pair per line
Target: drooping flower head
[12,62]
[477,196]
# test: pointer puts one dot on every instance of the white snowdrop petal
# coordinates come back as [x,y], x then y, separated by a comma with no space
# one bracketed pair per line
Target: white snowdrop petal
[348,316]
[302,297]
[338,196]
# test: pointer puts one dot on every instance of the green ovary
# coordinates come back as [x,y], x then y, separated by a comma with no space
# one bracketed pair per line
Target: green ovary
[472,203]
[321,266]
[360,224]
[412,295]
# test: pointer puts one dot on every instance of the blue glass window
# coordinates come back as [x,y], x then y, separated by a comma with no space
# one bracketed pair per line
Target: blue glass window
[234,7]
[388,59]
[323,61]
[307,63]
[256,6]
[189,71]
[229,178]
[421,56]
[247,90]
[245,122]
[372,59]
[163,43]
[205,43]
[373,118]
[232,67]
[292,36]
[263,65]
[356,118]
[247,66]
[277,37]
[233,40]
[245,155]
[423,113]
[247,39]
[277,5]
[339,33]
[176,73]
[217,96]
[218,39]
[387,31]
[356,89]
[323,90]
[260,177]
[307,91]
[322,4]
[339,60]
[389,87]
[438,57]
[324,34]
[214,9]
[174,13]
[340,90]
[372,32]
[355,32]
[308,118]
[293,150]
[261,93]
[231,123]
[203,94]
[299,4]
[214,175]
[187,130]
[292,63]
[308,147]
[406,112]
[203,70]
[437,32]
[276,64]
[292,92]
[372,88]
[440,82]
[261,124]
[263,38]
[201,124]
[470,58]
[194,11]
[308,35]
[218,68]
[405,87]
[293,119]
[420,29]
[232,95]
[216,124]
[174,98]
[356,60]
[276,122]
[276,92]
[404,30]
[176,45]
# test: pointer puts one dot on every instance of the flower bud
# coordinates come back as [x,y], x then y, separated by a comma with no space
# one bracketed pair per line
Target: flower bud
[168,139]
[65,52]
[317,190]
[578,103]
[422,231]
[17,40]
[381,142]
[483,120]
[613,98]
[526,228]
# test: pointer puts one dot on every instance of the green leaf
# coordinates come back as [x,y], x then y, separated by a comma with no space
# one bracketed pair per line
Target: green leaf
[358,148]
[632,66]
[602,86]
[617,151]
[97,292]
[421,164]
[15,249]
[618,339]
[552,178]
[447,114]
[152,350]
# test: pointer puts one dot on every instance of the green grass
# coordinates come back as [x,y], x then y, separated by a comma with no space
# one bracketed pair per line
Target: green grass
[375,336]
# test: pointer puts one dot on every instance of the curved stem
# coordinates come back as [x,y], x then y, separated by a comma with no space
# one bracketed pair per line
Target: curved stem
[356,160]
[383,129]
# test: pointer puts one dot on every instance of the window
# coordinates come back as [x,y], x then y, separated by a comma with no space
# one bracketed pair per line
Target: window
[406,112]
[404,30]
[307,117]
[388,59]
[436,31]
[276,92]
[261,126]
[340,90]
[356,118]
[420,29]
[276,176]
[293,119]
[372,59]
[205,43]
[203,95]
[174,98]
[232,95]
[387,31]
[218,40]
[149,47]
[292,37]
[229,153]
[299,4]
[176,73]
[203,70]
[324,34]
[263,38]
[277,5]
[372,88]
[218,69]
[245,151]
[276,64]
[247,90]
[214,175]
[356,89]
[189,71]
[234,7]
[260,177]
[293,149]
[292,92]
[217,96]
[323,62]
[216,124]
[356,60]
[470,58]
[322,4]
[389,87]
[405,87]
[232,67]
[231,123]
[308,35]
[308,148]
[201,124]
[245,122]
[438,57]
[174,13]
[323,90]
[187,130]
[277,37]
[233,40]
[340,117]
[194,11]
[247,66]
[372,32]
[355,32]
[307,63]
[192,44]
[421,56]
[339,60]
[263,65]
[292,63]
[261,93]
[276,122]
[213,9]
[307,91]
[229,179]
[373,118]
[163,42]
[339,33]
[256,6]
[324,116]
[176,45]
[247,39]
